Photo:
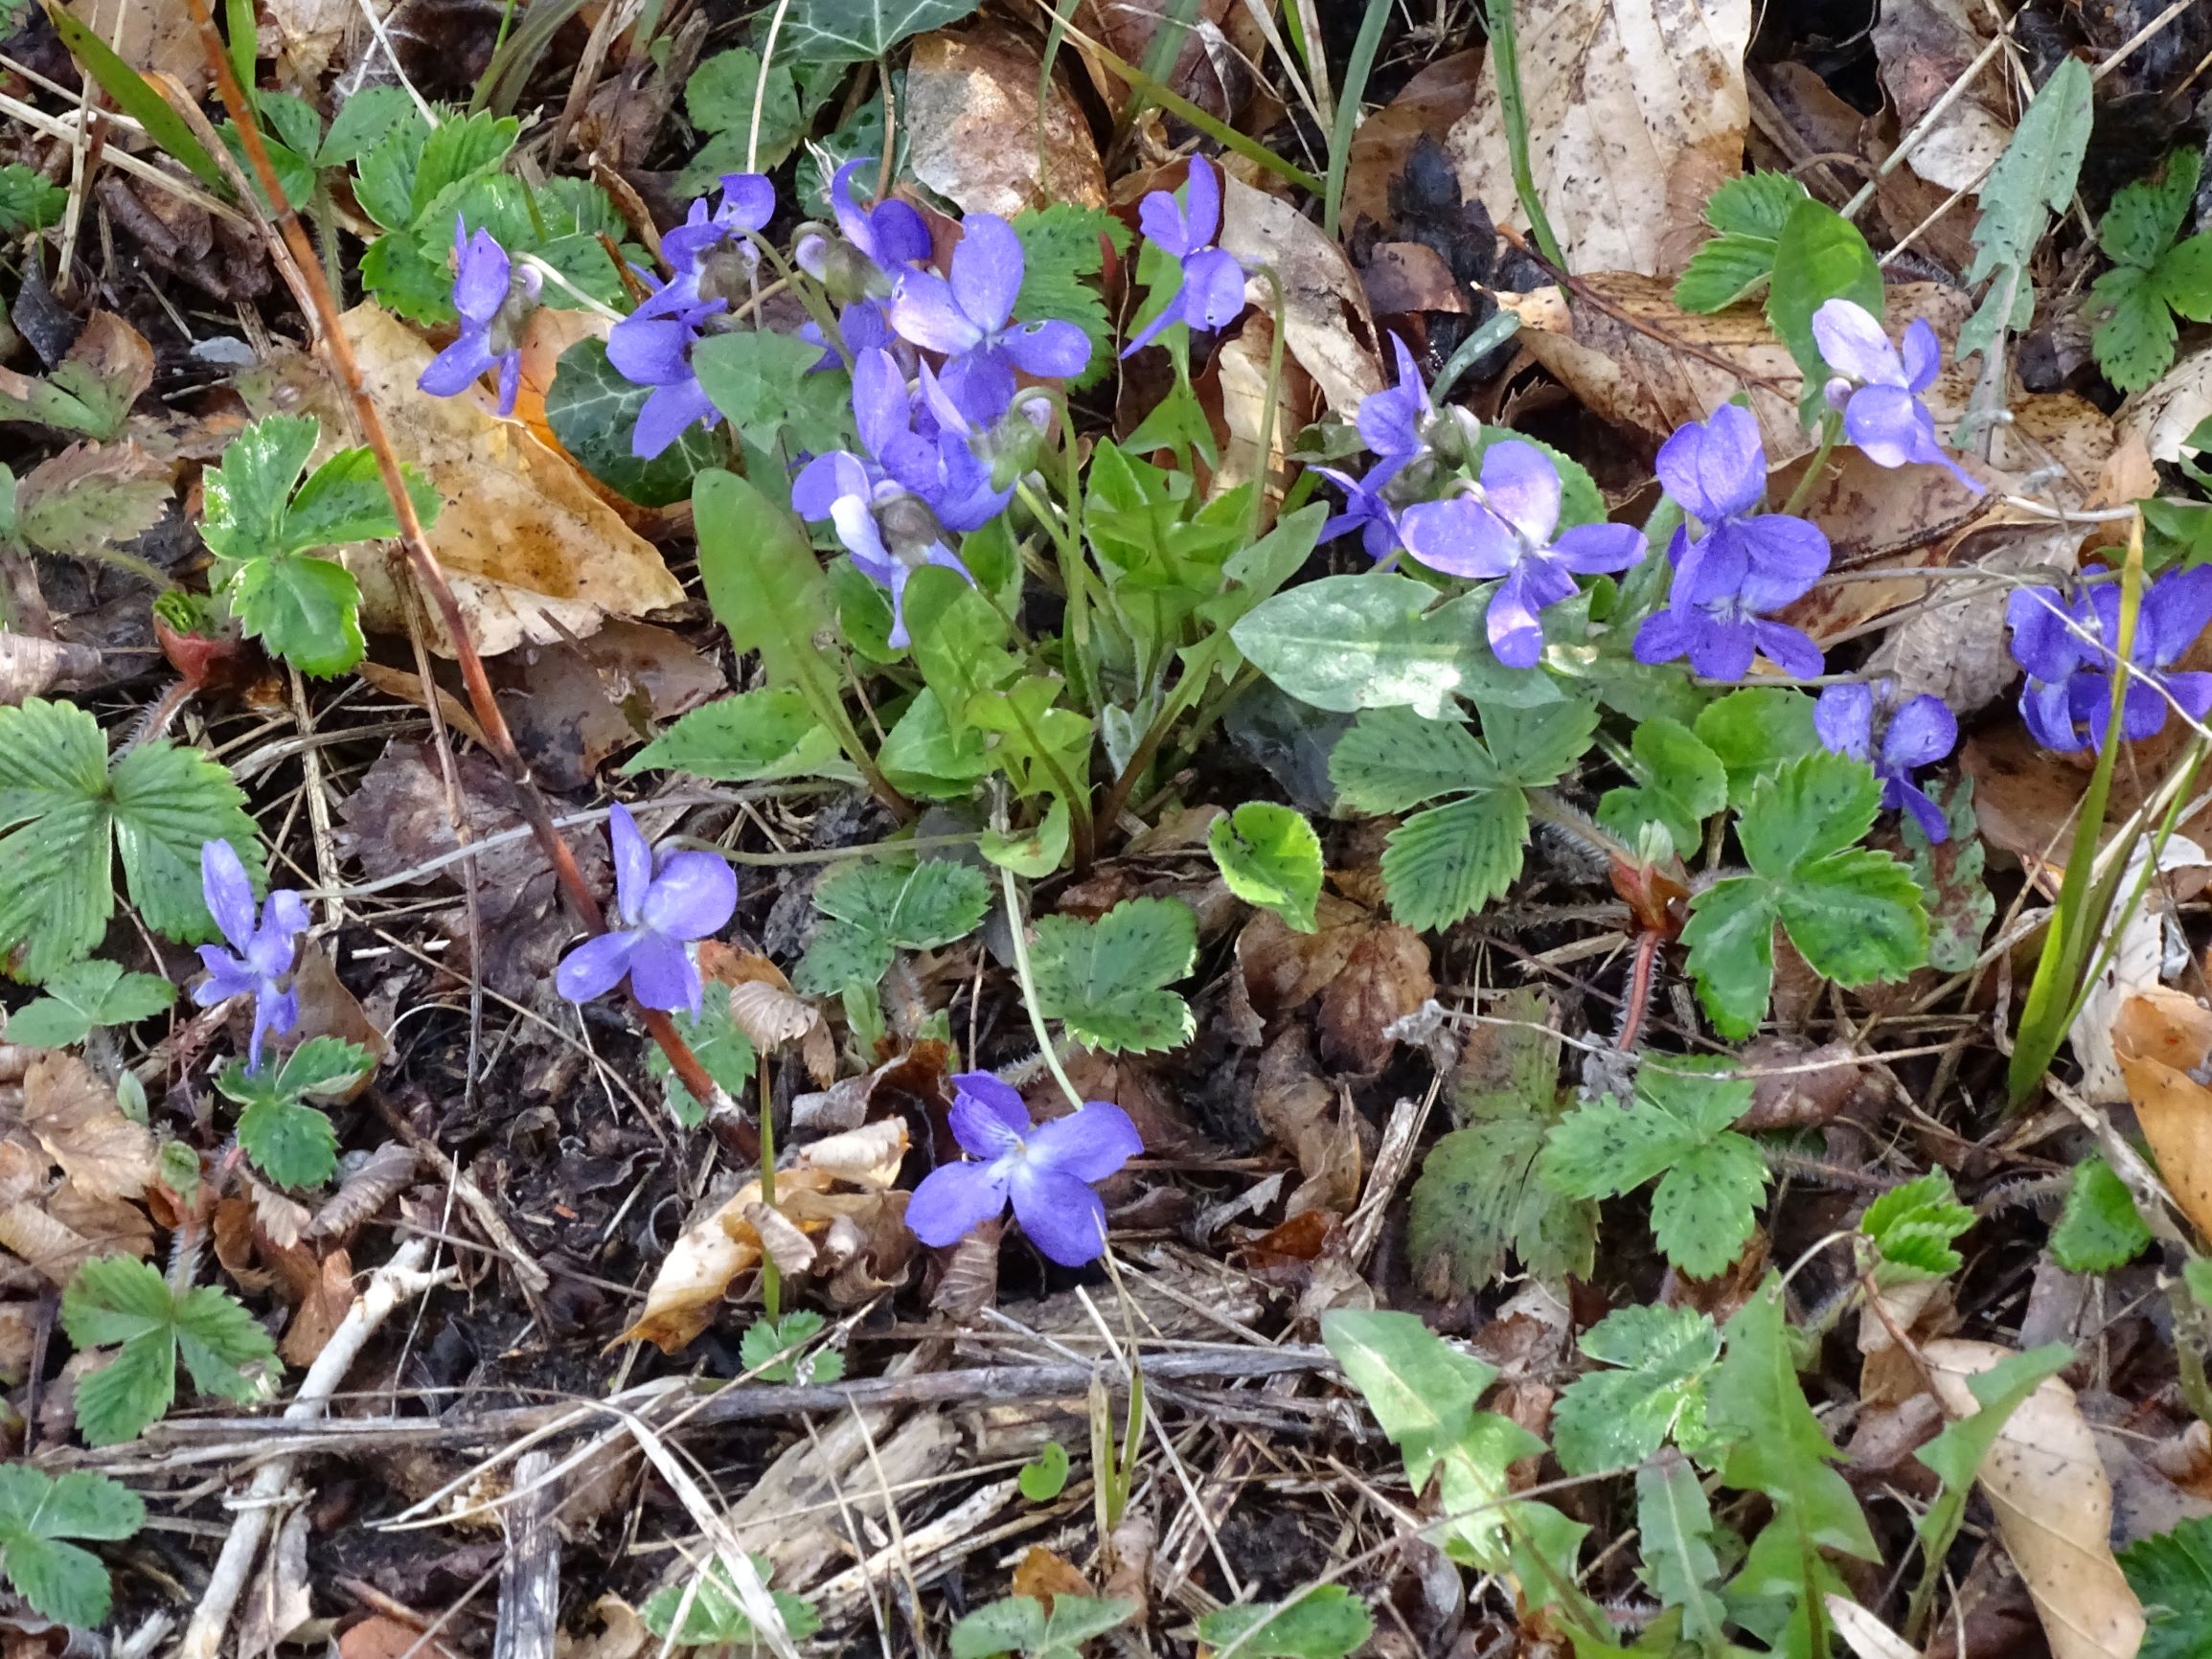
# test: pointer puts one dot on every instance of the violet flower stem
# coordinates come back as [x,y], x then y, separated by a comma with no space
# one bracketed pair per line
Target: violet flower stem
[771,1276]
[1831,424]
[1017,925]
[1263,468]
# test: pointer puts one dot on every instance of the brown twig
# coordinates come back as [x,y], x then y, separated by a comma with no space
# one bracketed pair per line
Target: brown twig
[430,575]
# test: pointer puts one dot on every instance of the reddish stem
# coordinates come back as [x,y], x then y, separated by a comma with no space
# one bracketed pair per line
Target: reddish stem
[430,575]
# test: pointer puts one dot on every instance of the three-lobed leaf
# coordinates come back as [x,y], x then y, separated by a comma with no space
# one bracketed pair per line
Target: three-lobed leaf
[1107,980]
[1678,1129]
[1478,1196]
[1856,916]
[115,1301]
[83,995]
[2153,277]
[856,30]
[287,1139]
[1909,1230]
[1608,1420]
[38,1513]
[593,410]
[1680,784]
[1747,213]
[876,908]
[1021,1624]
[67,816]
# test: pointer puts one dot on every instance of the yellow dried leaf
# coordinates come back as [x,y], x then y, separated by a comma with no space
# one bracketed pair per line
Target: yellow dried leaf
[2054,1508]
[531,551]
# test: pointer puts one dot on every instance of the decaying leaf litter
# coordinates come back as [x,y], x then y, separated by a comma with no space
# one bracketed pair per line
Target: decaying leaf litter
[1599,1146]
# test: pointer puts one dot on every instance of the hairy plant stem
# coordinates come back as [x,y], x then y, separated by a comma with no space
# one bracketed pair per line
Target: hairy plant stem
[771,1276]
[428,575]
[1016,925]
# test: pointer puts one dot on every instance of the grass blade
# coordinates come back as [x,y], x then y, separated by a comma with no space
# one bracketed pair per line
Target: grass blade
[1353,89]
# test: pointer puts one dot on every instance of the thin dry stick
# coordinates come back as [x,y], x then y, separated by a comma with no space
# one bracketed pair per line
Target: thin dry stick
[429,577]
[398,1281]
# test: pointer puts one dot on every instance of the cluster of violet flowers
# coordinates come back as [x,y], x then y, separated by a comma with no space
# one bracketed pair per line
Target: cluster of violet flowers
[1487,509]
[263,942]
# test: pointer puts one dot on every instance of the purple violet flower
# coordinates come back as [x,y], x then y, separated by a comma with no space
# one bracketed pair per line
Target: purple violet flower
[710,249]
[494,297]
[652,347]
[1210,289]
[2069,678]
[1366,509]
[1395,422]
[1047,1169]
[1504,529]
[1919,733]
[1877,392]
[882,243]
[892,505]
[660,907]
[2049,642]
[1744,564]
[265,943]
[969,320]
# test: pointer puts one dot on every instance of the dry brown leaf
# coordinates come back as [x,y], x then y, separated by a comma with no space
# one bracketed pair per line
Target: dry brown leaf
[2160,416]
[154,37]
[1384,979]
[529,548]
[973,119]
[1641,363]
[56,1233]
[327,1008]
[2175,1111]
[279,1220]
[324,1292]
[713,1250]
[770,1013]
[1044,1575]
[279,1602]
[1316,1123]
[1404,276]
[1328,329]
[1924,47]
[2138,957]
[1206,71]
[116,354]
[304,35]
[2054,1508]
[30,667]
[1636,111]
[365,1191]
[1239,370]
[970,1281]
[1427,106]
[570,705]
[19,1337]
[75,1117]
[407,686]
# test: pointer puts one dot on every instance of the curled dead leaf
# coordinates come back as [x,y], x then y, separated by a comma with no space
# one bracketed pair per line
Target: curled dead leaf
[1327,328]
[1639,362]
[770,1013]
[1635,114]
[2054,1507]
[1385,978]
[712,1252]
